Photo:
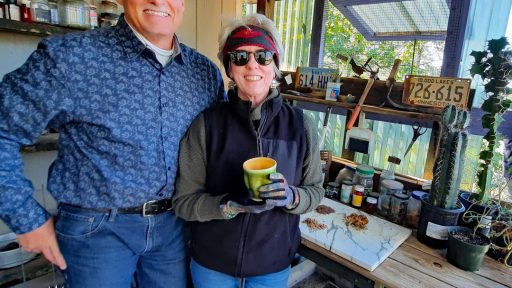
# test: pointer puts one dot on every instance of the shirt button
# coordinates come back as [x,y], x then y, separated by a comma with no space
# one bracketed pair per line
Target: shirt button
[165,104]
[160,194]
[169,168]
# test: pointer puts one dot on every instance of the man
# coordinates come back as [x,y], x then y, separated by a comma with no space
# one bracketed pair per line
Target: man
[121,98]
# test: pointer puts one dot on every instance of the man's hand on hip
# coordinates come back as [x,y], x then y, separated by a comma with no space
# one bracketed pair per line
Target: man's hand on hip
[43,240]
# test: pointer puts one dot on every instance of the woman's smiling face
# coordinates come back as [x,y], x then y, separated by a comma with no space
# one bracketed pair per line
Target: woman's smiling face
[252,80]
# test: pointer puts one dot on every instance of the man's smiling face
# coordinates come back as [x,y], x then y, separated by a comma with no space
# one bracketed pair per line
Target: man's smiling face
[156,20]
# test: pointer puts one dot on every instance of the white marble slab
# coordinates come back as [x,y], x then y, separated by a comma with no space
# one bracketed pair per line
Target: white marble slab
[366,248]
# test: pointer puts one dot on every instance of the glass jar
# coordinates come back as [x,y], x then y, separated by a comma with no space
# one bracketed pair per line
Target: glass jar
[345,174]
[40,11]
[2,8]
[25,13]
[374,195]
[346,191]
[398,208]
[387,189]
[93,17]
[332,190]
[357,196]
[54,12]
[74,13]
[364,177]
[412,216]
[370,206]
[109,14]
[12,10]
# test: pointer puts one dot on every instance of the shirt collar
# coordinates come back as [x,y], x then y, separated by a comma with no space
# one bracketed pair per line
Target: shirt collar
[133,46]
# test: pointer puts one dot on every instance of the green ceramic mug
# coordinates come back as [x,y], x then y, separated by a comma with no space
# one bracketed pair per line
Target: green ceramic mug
[256,172]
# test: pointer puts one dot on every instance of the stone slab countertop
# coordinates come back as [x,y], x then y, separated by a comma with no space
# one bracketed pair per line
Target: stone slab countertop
[366,248]
[47,142]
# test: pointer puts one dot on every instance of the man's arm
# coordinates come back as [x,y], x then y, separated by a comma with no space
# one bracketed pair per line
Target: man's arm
[29,100]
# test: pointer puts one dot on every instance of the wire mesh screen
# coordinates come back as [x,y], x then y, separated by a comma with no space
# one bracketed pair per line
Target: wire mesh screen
[403,18]
[343,40]
[293,19]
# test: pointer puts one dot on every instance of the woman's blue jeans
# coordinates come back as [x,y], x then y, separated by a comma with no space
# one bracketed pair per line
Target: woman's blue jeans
[113,250]
[207,278]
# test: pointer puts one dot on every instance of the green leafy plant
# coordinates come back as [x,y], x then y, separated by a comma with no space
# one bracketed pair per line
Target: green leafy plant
[494,65]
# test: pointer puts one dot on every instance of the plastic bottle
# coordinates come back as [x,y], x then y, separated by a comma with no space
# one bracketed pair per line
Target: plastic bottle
[412,216]
[357,196]
[389,172]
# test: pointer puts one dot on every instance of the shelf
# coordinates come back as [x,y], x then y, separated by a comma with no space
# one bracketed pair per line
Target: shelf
[367,108]
[36,29]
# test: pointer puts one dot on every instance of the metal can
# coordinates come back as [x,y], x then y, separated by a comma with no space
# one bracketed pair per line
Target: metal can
[357,196]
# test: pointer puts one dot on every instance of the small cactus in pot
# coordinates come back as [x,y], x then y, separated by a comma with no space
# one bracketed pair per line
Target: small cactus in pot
[441,208]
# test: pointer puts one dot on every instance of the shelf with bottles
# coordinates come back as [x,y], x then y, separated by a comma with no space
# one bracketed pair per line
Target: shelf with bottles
[37,29]
[44,18]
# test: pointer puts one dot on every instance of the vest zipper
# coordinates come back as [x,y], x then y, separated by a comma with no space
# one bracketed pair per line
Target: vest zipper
[241,252]
[263,121]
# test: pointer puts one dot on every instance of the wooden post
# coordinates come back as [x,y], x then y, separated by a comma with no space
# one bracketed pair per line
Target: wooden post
[433,146]
[266,7]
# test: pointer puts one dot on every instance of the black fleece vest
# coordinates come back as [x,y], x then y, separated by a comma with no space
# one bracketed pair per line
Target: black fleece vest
[250,244]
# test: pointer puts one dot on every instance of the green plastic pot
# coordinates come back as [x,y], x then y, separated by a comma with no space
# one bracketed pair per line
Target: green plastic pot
[464,255]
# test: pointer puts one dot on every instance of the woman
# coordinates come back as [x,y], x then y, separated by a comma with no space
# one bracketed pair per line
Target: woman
[236,242]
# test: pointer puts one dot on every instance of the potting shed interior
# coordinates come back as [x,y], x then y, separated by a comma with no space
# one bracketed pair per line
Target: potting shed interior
[410,59]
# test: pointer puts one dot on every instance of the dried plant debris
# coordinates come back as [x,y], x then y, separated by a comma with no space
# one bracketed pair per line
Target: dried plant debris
[358,221]
[314,225]
[324,209]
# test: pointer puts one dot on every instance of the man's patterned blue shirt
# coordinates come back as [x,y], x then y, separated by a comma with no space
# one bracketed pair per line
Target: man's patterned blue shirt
[120,116]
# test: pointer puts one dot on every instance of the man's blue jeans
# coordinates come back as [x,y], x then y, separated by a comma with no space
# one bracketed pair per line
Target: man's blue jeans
[207,278]
[113,250]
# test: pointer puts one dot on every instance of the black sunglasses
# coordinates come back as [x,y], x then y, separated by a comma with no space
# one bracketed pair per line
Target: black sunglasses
[241,57]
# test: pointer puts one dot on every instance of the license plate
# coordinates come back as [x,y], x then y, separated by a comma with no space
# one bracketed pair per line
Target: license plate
[315,78]
[436,91]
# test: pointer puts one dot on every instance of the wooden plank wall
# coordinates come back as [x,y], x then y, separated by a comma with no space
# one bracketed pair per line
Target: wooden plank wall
[202,23]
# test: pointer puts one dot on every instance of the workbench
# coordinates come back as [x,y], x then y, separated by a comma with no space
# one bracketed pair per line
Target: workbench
[414,264]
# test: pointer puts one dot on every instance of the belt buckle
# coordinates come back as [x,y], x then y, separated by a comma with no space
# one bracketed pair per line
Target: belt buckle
[144,207]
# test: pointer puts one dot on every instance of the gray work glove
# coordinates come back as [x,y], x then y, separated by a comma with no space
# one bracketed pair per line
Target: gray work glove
[232,207]
[279,193]
[276,194]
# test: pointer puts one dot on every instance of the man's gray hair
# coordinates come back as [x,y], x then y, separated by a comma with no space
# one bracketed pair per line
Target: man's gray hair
[258,20]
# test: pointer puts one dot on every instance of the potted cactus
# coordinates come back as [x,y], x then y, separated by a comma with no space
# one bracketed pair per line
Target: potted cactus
[440,208]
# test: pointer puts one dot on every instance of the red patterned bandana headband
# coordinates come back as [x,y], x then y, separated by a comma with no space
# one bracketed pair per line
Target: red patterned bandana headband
[249,35]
